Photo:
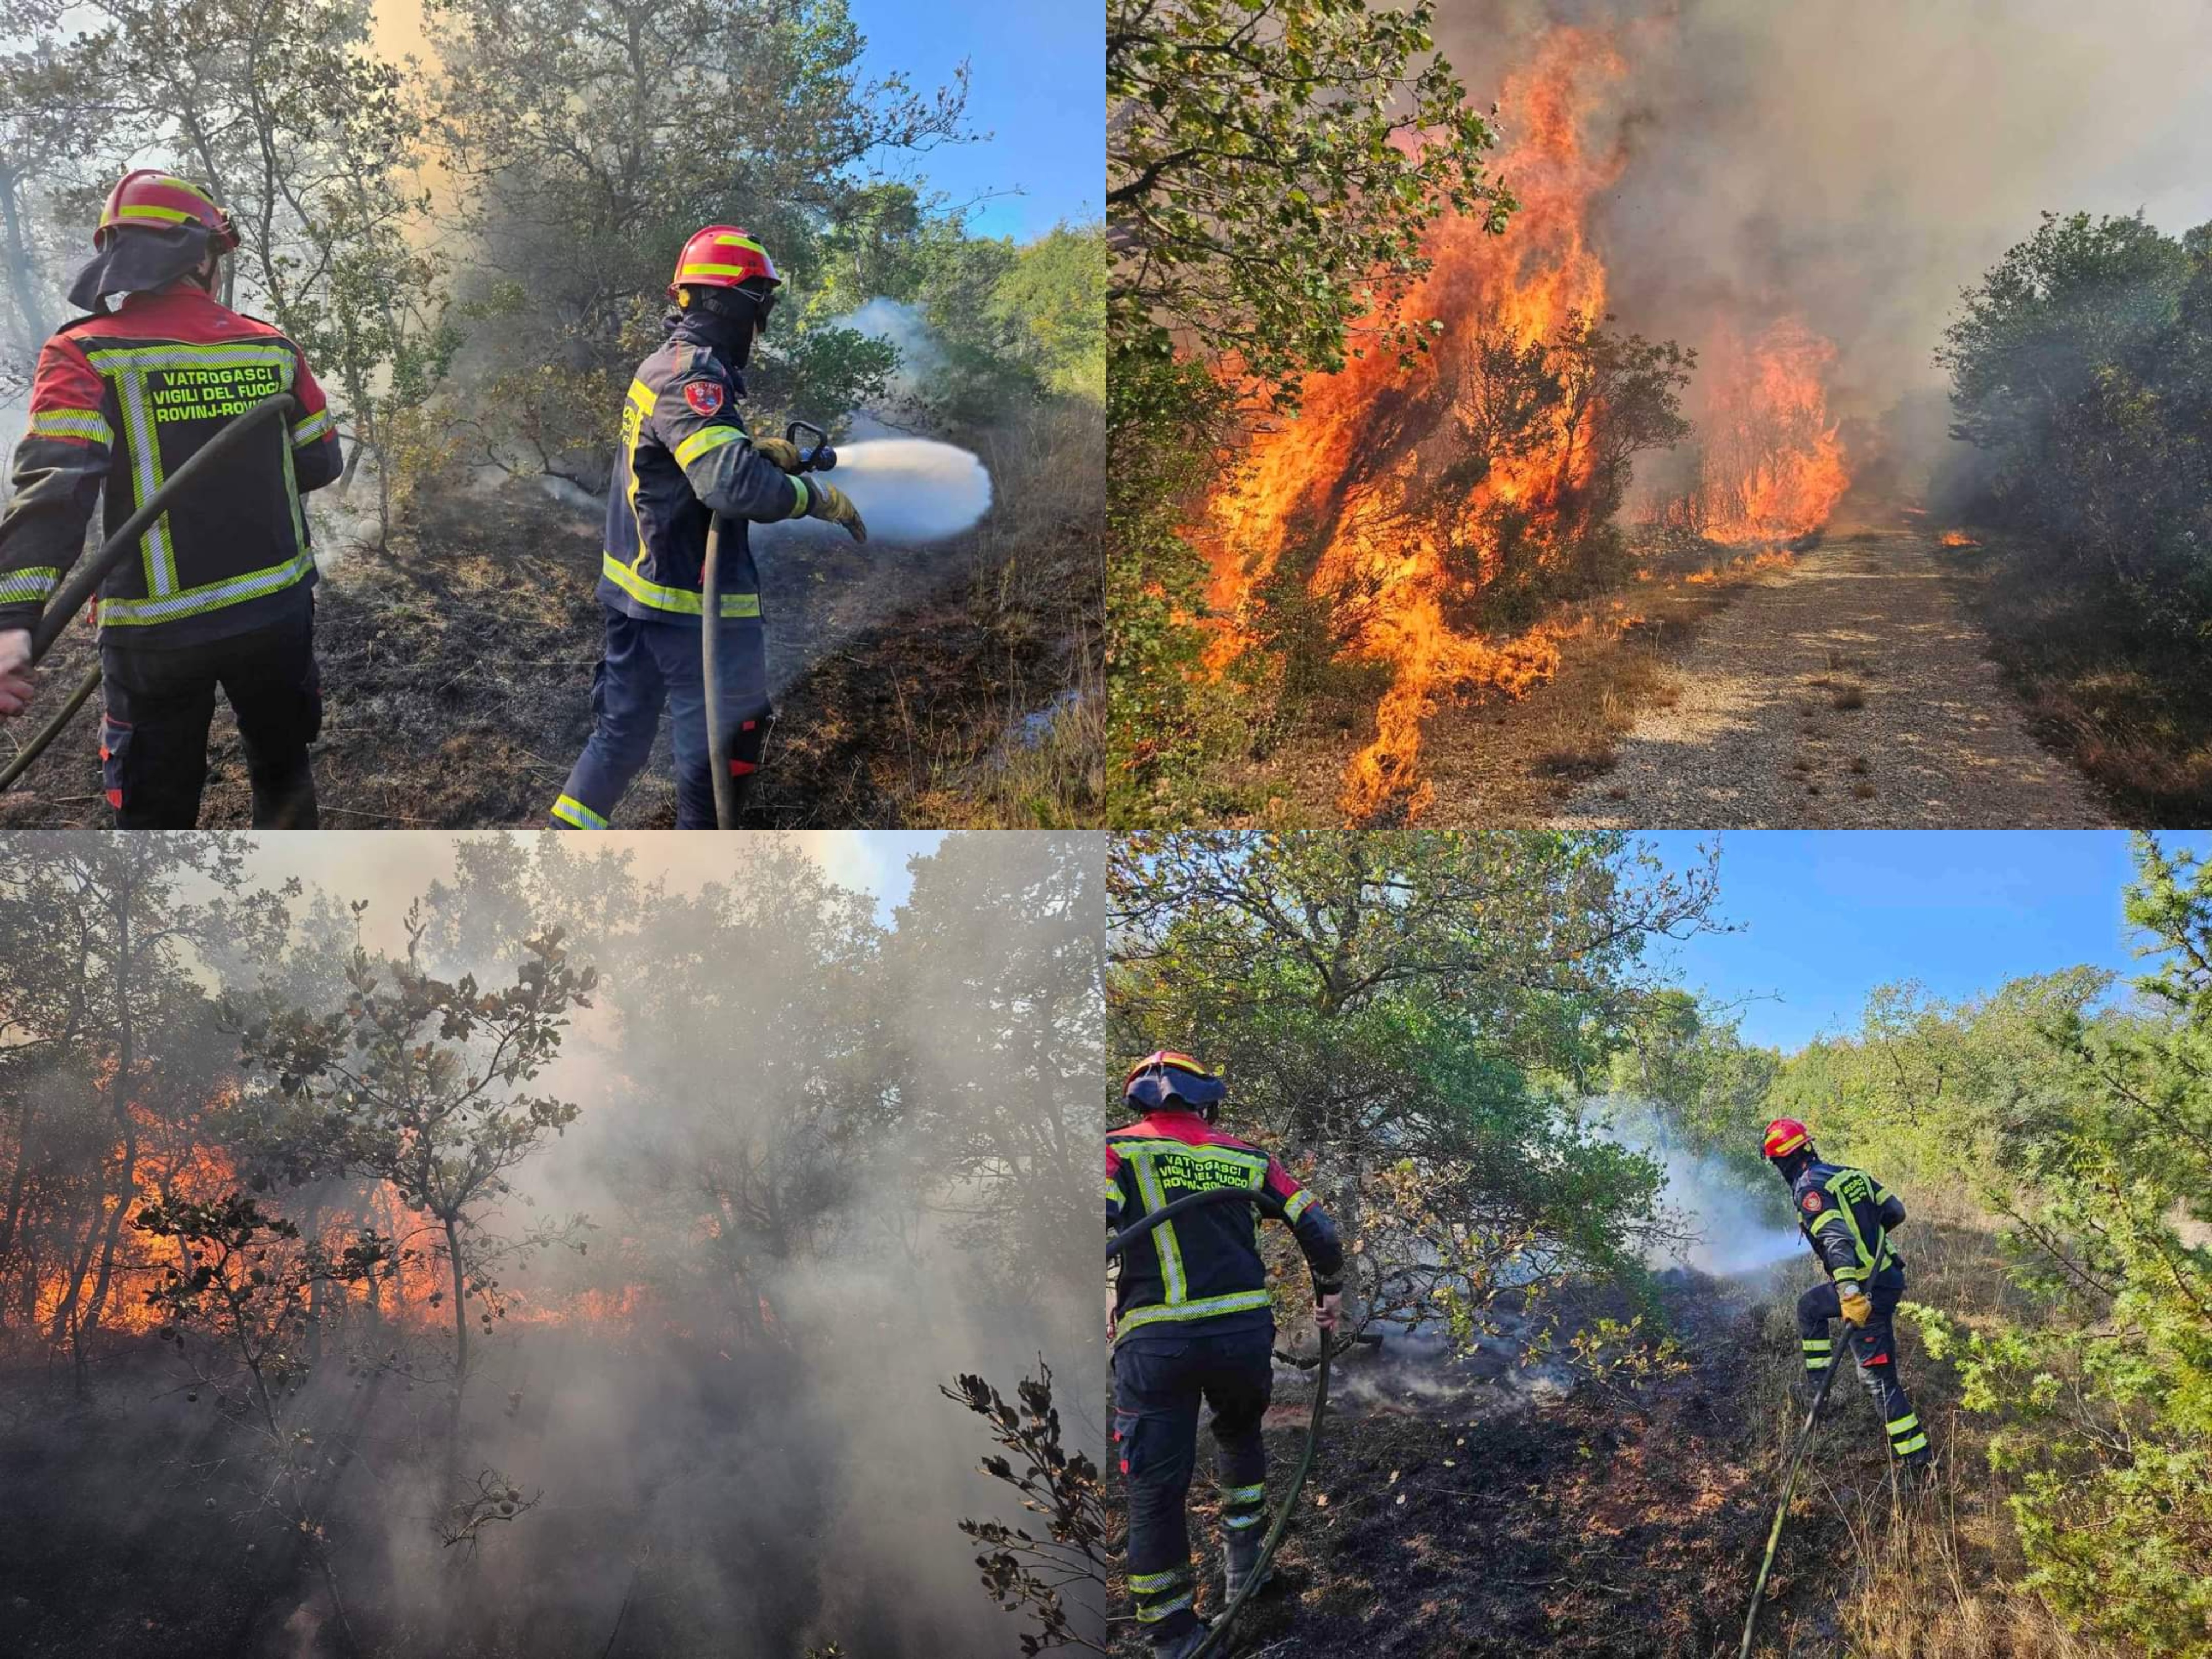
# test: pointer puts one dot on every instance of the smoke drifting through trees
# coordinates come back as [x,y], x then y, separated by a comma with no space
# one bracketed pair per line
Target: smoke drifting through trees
[1857,167]
[820,1161]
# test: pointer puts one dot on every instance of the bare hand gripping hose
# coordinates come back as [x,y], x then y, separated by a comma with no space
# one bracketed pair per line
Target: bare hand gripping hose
[85,579]
[1790,1479]
[1267,1204]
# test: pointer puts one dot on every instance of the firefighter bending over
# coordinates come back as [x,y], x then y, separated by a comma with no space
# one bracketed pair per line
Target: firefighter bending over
[1844,1213]
[220,592]
[1193,1320]
[685,457]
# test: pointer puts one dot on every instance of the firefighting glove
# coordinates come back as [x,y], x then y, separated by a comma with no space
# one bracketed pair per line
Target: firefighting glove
[1326,1308]
[17,679]
[826,501]
[1857,1306]
[781,451]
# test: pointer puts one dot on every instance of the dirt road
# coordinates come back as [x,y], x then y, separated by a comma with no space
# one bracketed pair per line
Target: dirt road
[1847,691]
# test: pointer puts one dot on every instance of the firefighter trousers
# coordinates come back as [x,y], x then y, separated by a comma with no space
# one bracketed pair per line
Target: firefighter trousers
[160,702]
[647,666]
[1160,1378]
[1874,1347]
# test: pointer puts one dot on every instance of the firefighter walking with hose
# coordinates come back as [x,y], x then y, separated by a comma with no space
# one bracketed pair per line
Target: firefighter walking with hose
[686,459]
[1848,1217]
[1193,1321]
[218,590]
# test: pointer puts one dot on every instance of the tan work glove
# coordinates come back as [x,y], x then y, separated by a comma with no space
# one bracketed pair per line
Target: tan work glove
[18,680]
[1326,1310]
[1857,1307]
[826,501]
[781,451]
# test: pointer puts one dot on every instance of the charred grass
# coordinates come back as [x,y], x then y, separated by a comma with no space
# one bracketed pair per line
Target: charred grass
[956,685]
[1599,1526]
[2130,709]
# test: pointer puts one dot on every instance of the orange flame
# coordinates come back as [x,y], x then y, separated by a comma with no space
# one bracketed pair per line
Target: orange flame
[1375,469]
[1773,466]
[1957,538]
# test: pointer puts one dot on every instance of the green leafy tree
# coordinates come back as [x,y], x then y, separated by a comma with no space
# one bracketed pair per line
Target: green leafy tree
[1414,1013]
[2081,365]
[1271,166]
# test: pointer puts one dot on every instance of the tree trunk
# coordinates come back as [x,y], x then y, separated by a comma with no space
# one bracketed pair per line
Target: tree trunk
[126,1060]
[461,1338]
[23,279]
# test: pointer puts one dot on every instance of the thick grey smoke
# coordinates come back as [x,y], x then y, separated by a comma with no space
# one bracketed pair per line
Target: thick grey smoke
[804,1485]
[1857,165]
[1728,1224]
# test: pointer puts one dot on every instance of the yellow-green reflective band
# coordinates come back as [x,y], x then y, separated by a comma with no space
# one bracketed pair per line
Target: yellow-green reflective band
[1297,1206]
[569,810]
[313,426]
[715,270]
[1818,1345]
[705,440]
[1243,1494]
[143,211]
[1812,1365]
[1906,1448]
[1205,1308]
[1151,1613]
[195,601]
[1150,1146]
[642,395]
[805,498]
[1239,1522]
[33,583]
[740,241]
[685,601]
[1113,1192]
[71,423]
[1910,1420]
[1152,1583]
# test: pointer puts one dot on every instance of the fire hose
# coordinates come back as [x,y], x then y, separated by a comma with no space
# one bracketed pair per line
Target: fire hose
[817,458]
[85,580]
[1267,1204]
[1790,1479]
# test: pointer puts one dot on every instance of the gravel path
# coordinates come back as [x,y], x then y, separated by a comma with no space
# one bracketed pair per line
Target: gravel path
[1849,690]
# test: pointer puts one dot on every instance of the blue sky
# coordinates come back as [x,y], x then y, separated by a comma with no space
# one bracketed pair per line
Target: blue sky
[1828,916]
[1037,83]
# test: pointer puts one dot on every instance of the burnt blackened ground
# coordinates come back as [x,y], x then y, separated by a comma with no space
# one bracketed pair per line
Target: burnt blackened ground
[457,672]
[1605,1522]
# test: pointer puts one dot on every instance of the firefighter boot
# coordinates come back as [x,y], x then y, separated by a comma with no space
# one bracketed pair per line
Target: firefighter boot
[1182,1646]
[1242,1556]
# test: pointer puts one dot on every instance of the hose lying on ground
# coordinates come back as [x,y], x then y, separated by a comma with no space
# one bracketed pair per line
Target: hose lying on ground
[84,581]
[1267,1204]
[1790,1479]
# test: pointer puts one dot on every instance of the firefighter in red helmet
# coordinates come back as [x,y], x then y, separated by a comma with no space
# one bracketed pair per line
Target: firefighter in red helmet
[686,457]
[220,592]
[1851,1220]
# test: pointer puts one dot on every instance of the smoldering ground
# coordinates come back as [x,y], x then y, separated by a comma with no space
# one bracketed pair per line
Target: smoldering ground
[818,1180]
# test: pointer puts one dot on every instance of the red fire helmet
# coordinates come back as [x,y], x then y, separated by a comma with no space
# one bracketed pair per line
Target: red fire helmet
[722,255]
[1785,1136]
[149,197]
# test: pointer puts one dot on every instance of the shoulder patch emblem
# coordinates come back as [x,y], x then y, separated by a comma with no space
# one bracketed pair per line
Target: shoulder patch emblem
[1812,1203]
[705,396]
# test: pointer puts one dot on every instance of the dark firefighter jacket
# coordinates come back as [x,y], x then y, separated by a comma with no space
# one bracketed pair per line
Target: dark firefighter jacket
[1841,1213]
[122,400]
[685,456]
[1204,1265]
